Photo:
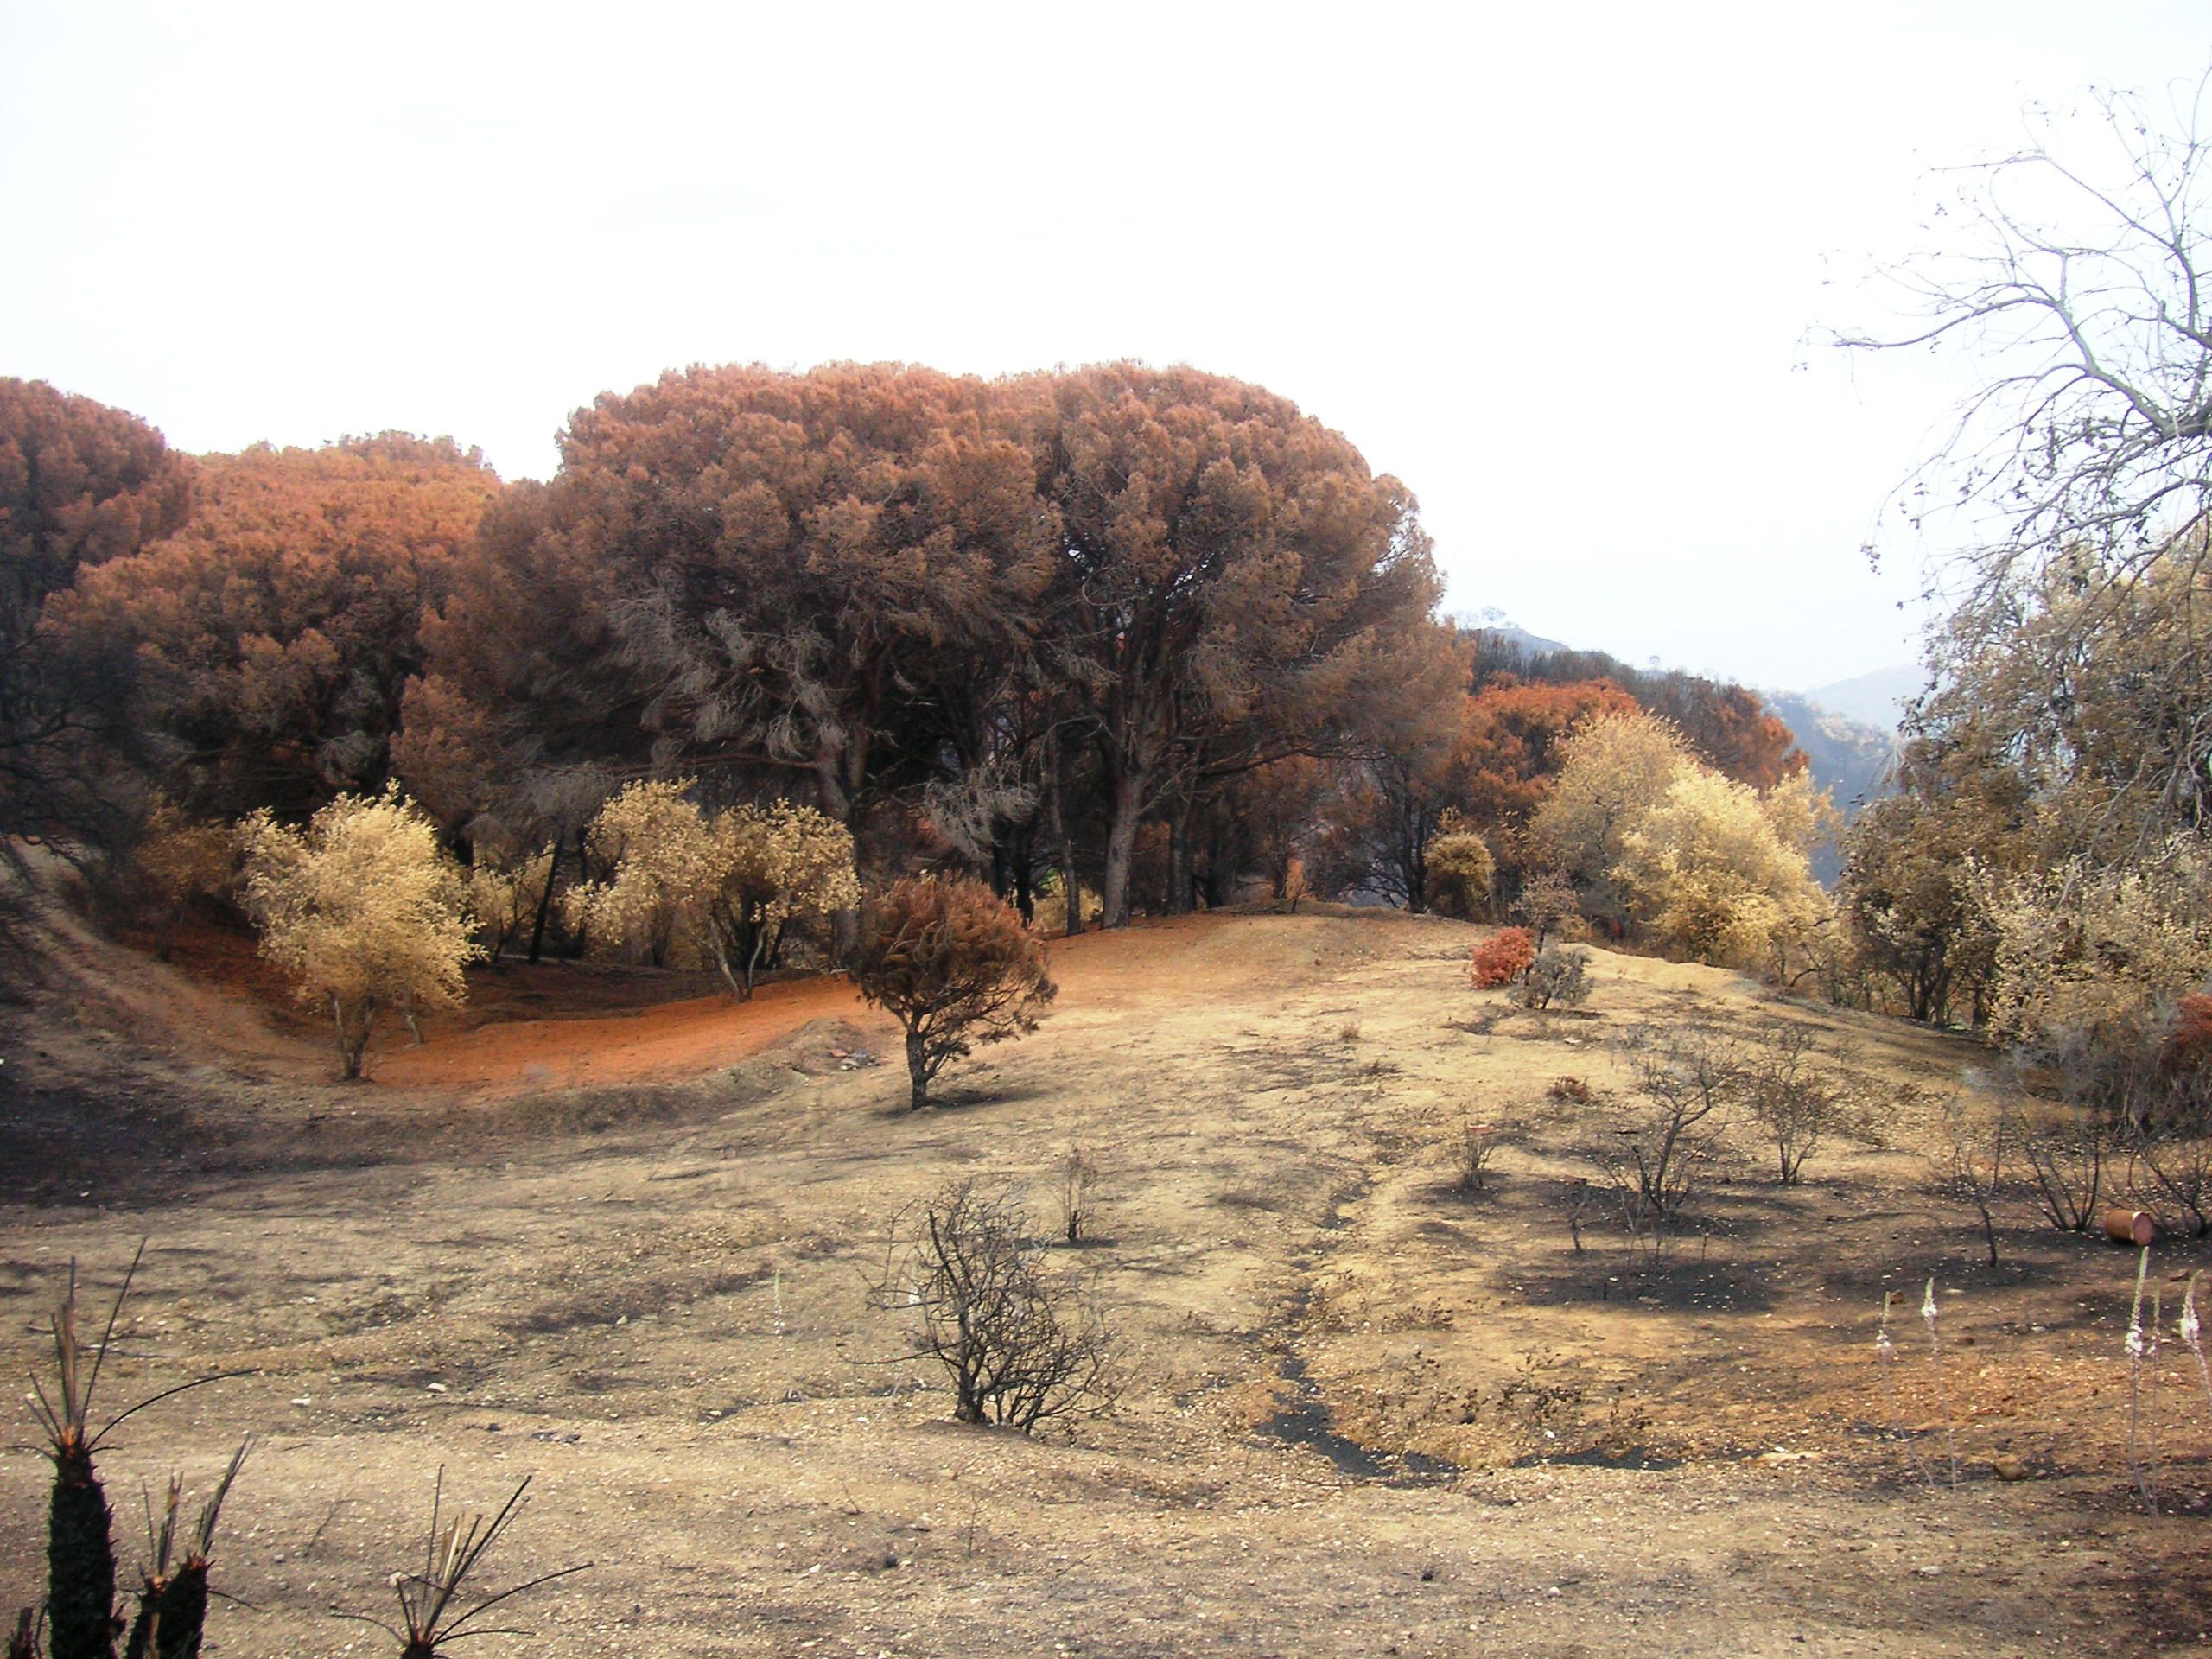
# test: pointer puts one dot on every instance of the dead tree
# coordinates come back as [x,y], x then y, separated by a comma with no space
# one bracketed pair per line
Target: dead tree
[1020,1345]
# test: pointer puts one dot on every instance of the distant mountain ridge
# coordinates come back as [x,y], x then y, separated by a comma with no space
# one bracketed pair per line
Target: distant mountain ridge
[1530,644]
[1877,699]
[1848,757]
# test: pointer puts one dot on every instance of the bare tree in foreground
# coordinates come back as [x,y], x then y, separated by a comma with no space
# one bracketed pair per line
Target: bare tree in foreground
[1020,1344]
[2077,281]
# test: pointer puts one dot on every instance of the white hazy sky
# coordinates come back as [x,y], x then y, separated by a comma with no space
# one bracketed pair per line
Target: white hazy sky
[1551,265]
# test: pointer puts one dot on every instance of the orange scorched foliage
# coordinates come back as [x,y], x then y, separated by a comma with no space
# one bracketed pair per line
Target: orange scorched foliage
[955,965]
[1502,958]
[2188,1046]
[1510,749]
[268,641]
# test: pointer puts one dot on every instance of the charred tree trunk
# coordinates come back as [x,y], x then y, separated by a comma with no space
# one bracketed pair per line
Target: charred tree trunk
[1213,886]
[1125,807]
[583,874]
[1071,878]
[1416,861]
[838,781]
[544,904]
[352,1027]
[79,1561]
[918,1073]
[1180,886]
[172,1615]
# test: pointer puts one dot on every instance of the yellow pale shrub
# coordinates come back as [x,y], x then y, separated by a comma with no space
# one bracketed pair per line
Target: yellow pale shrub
[361,910]
[1617,768]
[728,882]
[2099,957]
[1716,872]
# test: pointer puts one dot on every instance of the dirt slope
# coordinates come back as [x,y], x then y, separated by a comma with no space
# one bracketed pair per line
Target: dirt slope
[1362,1413]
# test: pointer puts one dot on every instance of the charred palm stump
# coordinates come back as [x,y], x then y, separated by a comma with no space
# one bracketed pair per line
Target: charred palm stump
[79,1560]
[173,1600]
[430,1611]
[172,1614]
[80,1618]
[79,1533]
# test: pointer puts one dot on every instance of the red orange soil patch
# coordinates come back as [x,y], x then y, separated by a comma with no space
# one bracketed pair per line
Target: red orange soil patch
[674,1040]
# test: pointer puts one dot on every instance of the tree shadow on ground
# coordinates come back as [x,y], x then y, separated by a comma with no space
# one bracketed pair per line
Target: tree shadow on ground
[962,1097]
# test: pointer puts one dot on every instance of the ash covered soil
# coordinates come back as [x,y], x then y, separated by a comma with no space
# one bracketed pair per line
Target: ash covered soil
[609,1231]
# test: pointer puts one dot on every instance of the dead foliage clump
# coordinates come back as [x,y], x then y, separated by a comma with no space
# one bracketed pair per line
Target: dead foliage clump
[1502,958]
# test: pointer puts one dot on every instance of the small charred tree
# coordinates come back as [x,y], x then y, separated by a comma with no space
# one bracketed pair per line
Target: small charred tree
[1795,1097]
[2066,1147]
[959,966]
[1969,1163]
[1020,1344]
[1659,1152]
[1079,1177]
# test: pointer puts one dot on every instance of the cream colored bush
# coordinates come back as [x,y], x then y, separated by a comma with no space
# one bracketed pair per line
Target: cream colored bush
[2096,959]
[657,843]
[1719,872]
[1462,873]
[362,911]
[726,883]
[1616,769]
[1051,919]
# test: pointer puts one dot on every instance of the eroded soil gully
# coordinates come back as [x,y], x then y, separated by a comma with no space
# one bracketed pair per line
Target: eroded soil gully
[1306,1420]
